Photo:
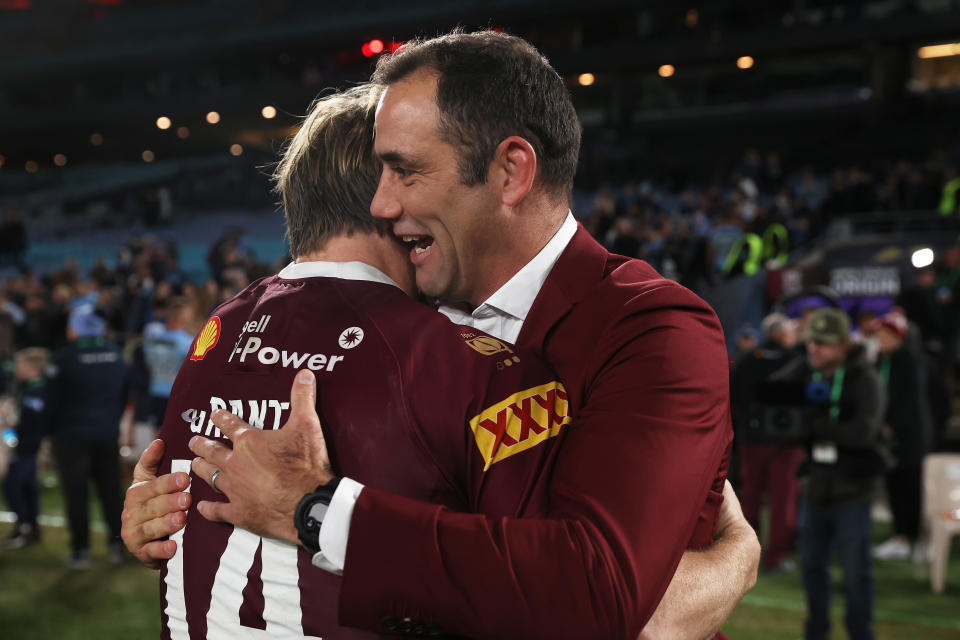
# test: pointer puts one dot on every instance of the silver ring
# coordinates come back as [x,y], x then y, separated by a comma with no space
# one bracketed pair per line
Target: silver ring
[213,480]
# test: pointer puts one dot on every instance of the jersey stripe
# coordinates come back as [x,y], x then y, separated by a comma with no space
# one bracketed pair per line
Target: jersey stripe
[176,609]
[226,596]
[281,597]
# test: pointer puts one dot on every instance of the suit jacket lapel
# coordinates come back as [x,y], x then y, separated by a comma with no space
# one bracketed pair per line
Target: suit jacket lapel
[580,266]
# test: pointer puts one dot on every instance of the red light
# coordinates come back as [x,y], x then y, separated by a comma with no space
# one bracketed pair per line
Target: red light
[376,46]
[394,46]
[15,5]
[498,29]
[366,50]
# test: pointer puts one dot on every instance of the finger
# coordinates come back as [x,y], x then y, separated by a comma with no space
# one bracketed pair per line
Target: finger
[158,550]
[139,493]
[211,451]
[159,527]
[135,513]
[168,503]
[149,463]
[217,511]
[303,400]
[229,424]
[204,470]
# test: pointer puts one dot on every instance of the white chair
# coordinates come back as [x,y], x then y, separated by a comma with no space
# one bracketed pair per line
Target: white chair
[941,509]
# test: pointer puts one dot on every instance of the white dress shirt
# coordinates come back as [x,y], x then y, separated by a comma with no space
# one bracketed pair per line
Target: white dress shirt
[502,316]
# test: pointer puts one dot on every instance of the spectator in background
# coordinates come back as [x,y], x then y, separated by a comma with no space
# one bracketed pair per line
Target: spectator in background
[747,340]
[841,471]
[909,427]
[625,241]
[921,306]
[165,347]
[86,395]
[20,486]
[723,238]
[766,467]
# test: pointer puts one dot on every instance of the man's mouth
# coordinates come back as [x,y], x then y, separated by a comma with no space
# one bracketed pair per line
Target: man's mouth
[419,244]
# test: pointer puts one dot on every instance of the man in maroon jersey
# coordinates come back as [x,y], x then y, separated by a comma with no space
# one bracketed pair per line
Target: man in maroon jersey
[391,372]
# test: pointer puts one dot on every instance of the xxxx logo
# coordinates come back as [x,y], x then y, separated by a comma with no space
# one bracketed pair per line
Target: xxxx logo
[520,422]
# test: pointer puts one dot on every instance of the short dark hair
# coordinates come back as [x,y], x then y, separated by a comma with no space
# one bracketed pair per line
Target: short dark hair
[492,86]
[328,173]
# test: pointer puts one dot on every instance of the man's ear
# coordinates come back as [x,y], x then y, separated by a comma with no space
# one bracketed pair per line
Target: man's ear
[513,170]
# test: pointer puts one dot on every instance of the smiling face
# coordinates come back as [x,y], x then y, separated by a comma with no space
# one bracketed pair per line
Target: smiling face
[451,229]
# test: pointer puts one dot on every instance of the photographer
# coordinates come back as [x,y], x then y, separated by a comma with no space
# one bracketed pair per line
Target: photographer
[840,472]
[768,463]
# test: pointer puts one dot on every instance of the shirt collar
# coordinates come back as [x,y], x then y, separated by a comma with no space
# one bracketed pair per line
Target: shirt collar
[342,270]
[516,296]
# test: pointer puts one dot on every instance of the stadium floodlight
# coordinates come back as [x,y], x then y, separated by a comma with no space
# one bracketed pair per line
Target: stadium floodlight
[96,139]
[235,149]
[922,258]
[147,155]
[744,62]
[31,166]
[666,70]
[269,112]
[213,117]
[586,79]
[183,133]
[163,122]
[939,50]
[59,159]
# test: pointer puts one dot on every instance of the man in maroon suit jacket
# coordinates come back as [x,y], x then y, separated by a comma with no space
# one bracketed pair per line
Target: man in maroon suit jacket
[479,145]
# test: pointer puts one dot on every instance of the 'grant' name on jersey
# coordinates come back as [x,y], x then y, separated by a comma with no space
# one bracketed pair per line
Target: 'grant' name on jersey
[259,414]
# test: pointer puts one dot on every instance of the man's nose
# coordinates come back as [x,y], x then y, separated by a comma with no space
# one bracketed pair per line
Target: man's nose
[384,204]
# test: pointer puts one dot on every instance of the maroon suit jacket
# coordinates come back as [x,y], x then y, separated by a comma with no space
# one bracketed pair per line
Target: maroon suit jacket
[638,479]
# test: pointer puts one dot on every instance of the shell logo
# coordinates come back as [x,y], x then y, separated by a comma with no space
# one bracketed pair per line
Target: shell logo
[207,339]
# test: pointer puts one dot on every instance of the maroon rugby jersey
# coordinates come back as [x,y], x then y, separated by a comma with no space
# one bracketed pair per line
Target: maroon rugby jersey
[409,402]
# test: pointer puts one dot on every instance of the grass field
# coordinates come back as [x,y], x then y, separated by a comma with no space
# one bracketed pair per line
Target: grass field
[40,598]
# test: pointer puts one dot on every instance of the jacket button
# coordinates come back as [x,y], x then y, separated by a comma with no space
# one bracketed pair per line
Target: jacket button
[390,623]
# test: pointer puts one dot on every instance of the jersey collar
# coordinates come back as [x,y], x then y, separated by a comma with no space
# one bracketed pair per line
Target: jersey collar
[341,270]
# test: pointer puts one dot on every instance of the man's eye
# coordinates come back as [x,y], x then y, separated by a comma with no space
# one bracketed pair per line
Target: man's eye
[401,172]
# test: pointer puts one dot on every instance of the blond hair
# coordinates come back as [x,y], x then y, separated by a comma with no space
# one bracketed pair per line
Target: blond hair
[328,174]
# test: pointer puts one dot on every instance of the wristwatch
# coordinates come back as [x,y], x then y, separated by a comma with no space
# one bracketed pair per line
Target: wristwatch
[311,510]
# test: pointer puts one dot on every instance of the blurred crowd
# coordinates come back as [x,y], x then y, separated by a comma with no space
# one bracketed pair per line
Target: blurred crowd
[89,360]
[700,234]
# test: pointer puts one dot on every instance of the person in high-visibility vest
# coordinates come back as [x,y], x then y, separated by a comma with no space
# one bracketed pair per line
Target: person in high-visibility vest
[754,257]
[776,244]
[948,203]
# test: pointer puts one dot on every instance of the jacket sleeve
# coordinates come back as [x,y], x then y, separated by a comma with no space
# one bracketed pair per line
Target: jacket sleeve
[637,465]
